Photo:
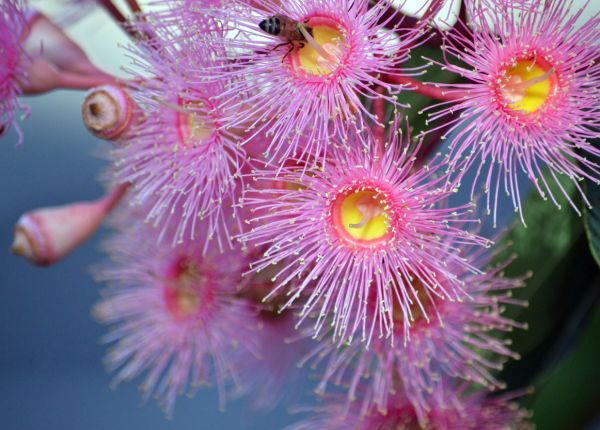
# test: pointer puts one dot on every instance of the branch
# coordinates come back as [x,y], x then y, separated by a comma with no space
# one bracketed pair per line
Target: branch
[116,14]
[134,6]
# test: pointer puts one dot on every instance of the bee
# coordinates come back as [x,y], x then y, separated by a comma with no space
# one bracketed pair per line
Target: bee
[286,28]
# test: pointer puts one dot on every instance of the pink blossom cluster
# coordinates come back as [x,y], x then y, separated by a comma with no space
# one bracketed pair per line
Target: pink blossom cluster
[276,208]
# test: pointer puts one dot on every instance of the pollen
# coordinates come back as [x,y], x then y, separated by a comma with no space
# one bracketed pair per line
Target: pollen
[322,53]
[528,85]
[361,217]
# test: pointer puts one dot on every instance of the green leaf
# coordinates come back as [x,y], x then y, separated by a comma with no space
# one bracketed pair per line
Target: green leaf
[549,236]
[553,248]
[591,219]
[569,397]
[419,57]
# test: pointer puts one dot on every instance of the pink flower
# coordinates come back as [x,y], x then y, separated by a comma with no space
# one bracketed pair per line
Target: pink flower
[532,99]
[460,340]
[175,315]
[462,412]
[302,92]
[183,161]
[354,238]
[12,70]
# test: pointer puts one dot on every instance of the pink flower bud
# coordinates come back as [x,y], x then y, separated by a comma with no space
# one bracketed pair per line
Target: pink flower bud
[48,41]
[53,60]
[108,111]
[42,76]
[43,236]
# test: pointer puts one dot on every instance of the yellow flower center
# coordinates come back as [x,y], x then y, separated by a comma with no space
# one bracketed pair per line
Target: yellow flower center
[183,291]
[361,217]
[528,85]
[322,52]
[194,126]
[187,301]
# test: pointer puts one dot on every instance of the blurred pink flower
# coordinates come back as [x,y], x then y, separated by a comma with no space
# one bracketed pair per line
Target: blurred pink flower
[183,160]
[271,377]
[463,411]
[280,348]
[12,63]
[175,315]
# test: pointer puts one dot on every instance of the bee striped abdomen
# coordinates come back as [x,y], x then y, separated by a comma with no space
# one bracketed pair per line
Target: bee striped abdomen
[271,25]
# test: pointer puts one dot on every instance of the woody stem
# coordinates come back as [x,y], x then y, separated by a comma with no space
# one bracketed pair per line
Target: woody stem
[116,14]
[134,6]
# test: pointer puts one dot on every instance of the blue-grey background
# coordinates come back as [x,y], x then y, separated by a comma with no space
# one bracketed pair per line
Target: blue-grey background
[50,356]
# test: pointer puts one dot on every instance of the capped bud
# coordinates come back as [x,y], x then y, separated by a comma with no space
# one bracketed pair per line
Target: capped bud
[43,236]
[108,111]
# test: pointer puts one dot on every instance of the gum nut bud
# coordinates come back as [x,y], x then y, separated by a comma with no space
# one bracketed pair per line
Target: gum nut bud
[108,111]
[44,236]
[45,39]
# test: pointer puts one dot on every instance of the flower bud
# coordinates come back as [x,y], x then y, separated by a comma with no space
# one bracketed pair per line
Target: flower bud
[108,111]
[44,236]
[48,41]
[52,60]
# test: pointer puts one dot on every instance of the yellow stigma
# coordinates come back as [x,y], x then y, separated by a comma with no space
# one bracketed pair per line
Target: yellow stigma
[528,86]
[326,37]
[362,216]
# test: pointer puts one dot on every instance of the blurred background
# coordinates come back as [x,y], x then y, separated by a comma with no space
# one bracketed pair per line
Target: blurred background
[50,355]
